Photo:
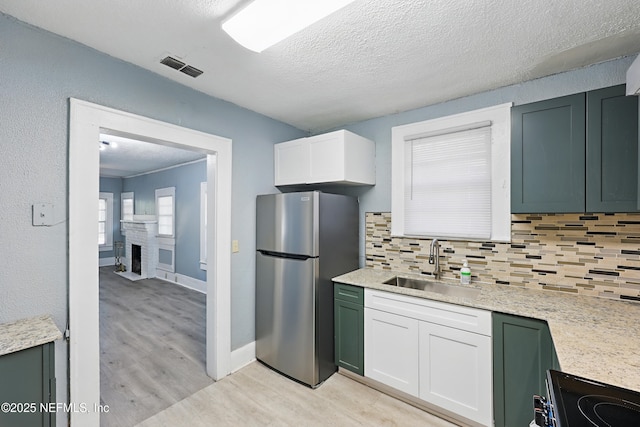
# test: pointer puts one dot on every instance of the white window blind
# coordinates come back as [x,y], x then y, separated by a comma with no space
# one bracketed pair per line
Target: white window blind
[203,225]
[165,215]
[105,221]
[448,184]
[126,200]
[102,221]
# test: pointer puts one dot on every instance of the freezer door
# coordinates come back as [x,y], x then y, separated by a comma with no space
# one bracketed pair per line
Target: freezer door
[285,316]
[287,223]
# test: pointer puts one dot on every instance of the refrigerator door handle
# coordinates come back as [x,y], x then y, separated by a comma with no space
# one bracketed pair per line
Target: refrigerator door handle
[283,255]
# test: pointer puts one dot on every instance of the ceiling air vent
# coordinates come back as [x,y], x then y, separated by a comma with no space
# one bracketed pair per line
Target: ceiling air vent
[176,64]
[173,63]
[191,71]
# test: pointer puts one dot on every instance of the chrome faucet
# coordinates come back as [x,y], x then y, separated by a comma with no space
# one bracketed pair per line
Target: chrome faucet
[434,258]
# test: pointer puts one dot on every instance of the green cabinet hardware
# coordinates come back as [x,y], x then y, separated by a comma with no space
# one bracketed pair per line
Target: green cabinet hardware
[349,327]
[523,351]
[576,153]
[28,382]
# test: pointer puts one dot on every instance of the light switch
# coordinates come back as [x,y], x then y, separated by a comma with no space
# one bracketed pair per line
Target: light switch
[234,246]
[42,214]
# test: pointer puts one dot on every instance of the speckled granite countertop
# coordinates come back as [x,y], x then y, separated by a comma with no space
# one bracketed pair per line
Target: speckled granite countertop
[27,333]
[594,337]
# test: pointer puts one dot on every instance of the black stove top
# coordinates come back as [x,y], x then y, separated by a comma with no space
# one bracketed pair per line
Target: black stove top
[580,402]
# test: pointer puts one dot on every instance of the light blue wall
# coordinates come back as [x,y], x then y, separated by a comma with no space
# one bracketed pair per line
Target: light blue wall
[186,180]
[39,72]
[113,185]
[378,198]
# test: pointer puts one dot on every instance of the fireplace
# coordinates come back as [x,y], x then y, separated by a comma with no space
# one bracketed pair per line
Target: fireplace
[136,259]
[141,246]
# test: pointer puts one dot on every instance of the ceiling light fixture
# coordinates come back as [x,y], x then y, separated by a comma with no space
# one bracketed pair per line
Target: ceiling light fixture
[264,23]
[105,144]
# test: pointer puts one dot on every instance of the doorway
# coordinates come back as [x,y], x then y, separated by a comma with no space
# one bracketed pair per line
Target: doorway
[87,120]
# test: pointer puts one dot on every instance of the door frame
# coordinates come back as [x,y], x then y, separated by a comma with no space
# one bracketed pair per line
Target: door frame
[86,121]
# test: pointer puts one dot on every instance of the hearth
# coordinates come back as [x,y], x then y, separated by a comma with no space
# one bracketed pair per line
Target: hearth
[136,259]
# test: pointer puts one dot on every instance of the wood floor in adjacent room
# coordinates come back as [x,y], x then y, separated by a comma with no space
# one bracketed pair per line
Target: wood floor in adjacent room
[152,346]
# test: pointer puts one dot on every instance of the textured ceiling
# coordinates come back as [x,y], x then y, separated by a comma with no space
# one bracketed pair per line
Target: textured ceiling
[372,58]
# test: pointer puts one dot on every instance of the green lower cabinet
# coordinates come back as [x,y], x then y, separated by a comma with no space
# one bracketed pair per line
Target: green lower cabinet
[522,353]
[349,327]
[28,385]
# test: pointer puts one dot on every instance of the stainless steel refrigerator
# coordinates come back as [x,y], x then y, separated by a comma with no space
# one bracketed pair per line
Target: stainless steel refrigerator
[302,241]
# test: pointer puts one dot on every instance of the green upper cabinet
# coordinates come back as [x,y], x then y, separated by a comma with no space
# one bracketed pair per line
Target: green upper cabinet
[612,151]
[548,156]
[577,153]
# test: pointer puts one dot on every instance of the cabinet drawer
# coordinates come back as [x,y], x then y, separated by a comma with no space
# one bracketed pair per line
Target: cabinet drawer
[451,315]
[349,293]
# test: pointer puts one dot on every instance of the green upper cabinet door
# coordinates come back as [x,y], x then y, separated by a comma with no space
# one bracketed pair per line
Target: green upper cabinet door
[612,151]
[548,156]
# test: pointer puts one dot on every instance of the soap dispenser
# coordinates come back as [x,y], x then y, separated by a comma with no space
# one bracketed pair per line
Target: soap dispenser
[465,274]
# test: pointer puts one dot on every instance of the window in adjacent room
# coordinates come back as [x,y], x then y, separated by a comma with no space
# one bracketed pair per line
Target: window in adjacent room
[451,176]
[203,225]
[165,211]
[126,205]
[105,221]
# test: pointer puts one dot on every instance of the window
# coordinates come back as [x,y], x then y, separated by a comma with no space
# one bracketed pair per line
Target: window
[451,176]
[105,221]
[126,205]
[165,211]
[203,225]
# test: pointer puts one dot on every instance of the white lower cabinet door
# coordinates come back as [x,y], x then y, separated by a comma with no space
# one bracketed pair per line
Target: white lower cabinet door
[455,371]
[391,350]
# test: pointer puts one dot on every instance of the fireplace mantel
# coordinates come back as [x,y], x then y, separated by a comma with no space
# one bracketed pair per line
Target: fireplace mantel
[140,219]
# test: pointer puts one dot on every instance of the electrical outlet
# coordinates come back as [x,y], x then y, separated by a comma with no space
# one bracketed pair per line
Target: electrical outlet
[235,247]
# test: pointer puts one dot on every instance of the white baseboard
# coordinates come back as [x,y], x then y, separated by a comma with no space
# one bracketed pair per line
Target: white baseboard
[242,356]
[105,262]
[182,280]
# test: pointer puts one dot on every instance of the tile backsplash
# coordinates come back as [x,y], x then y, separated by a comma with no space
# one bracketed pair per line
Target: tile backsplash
[590,254]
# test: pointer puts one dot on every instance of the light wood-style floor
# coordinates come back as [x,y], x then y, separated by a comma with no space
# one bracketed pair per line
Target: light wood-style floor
[152,367]
[258,396]
[152,346]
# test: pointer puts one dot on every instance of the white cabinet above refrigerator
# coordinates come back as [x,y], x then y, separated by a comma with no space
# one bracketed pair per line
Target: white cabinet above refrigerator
[339,157]
[633,78]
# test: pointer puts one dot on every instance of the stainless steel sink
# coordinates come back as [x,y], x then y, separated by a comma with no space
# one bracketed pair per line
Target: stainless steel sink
[437,287]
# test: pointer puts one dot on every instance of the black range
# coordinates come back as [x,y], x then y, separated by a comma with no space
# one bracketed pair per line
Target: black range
[580,402]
